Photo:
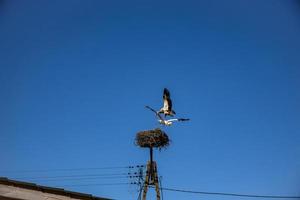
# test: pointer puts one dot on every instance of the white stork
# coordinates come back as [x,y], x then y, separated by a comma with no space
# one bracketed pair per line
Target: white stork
[167,107]
[165,122]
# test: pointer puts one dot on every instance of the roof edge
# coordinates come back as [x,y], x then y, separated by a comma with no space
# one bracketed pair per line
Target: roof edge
[51,190]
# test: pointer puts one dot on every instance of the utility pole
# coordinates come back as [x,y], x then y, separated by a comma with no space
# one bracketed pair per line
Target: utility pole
[151,139]
[151,177]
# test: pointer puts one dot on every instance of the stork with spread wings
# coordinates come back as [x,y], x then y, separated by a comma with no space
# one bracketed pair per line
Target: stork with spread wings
[166,110]
[166,122]
[167,107]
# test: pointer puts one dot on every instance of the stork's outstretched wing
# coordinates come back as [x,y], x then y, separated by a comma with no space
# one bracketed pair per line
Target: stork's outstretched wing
[179,119]
[157,114]
[183,119]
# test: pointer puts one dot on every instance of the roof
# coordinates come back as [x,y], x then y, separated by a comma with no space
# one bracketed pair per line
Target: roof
[51,190]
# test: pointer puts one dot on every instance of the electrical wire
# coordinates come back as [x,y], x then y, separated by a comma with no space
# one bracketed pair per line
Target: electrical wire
[74,175]
[140,191]
[71,169]
[114,175]
[86,178]
[96,184]
[161,191]
[231,194]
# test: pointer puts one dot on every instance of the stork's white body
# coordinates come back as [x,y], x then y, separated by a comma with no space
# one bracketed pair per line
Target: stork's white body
[169,122]
[165,122]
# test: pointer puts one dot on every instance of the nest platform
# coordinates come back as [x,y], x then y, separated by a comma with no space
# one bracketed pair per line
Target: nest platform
[152,139]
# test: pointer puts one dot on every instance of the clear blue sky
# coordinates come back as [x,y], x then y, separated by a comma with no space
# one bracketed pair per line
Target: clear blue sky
[75,77]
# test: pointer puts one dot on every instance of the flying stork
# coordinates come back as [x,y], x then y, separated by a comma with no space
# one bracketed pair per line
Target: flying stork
[167,107]
[165,122]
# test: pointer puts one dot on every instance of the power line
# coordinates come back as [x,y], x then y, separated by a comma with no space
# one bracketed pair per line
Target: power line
[128,174]
[86,178]
[83,178]
[72,169]
[231,194]
[96,184]
[74,175]
[140,192]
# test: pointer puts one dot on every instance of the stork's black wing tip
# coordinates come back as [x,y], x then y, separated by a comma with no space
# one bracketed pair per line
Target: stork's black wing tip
[150,109]
[183,119]
[166,92]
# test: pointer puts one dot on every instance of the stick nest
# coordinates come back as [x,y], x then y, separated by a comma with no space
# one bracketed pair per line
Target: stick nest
[152,138]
